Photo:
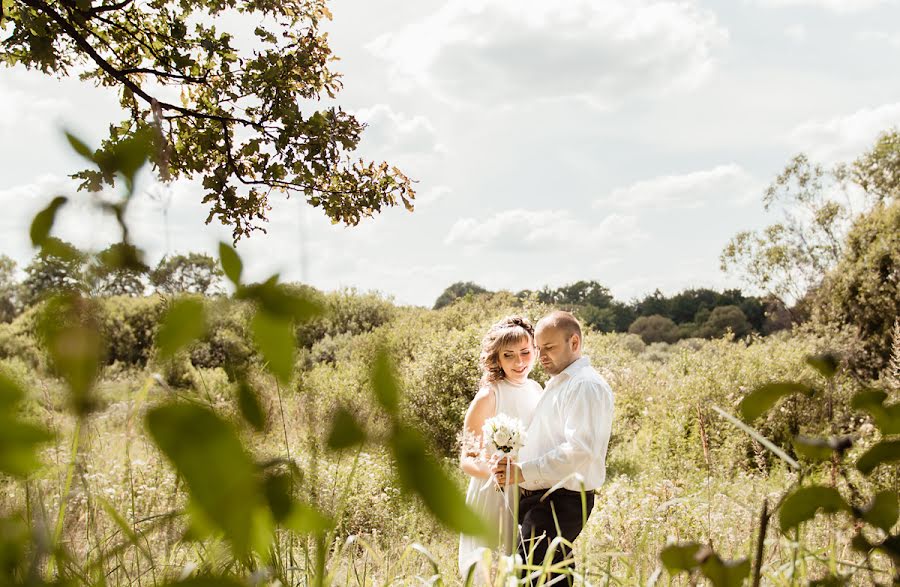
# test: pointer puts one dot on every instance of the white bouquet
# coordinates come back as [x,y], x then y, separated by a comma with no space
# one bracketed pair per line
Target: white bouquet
[503,436]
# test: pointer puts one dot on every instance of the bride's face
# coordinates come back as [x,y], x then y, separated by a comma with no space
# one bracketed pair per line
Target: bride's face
[517,359]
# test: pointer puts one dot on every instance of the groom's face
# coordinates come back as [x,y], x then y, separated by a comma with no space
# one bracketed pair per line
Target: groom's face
[556,350]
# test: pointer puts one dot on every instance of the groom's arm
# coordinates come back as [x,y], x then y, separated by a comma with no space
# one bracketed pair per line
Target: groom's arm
[586,427]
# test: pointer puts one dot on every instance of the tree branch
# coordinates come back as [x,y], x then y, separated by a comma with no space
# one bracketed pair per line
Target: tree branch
[117,74]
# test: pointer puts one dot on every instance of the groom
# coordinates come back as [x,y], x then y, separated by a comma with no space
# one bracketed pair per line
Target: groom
[565,445]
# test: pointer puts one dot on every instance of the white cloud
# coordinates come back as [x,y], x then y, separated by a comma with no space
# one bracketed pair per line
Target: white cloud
[844,137]
[20,108]
[397,132]
[729,183]
[430,196]
[840,6]
[796,33]
[498,52]
[519,229]
[890,39]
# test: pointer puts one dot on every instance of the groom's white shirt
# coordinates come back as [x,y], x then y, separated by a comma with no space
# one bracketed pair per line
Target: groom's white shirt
[570,431]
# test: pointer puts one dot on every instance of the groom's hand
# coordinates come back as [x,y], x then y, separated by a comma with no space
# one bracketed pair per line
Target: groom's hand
[503,467]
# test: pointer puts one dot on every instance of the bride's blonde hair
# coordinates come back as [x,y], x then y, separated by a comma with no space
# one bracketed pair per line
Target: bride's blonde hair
[507,331]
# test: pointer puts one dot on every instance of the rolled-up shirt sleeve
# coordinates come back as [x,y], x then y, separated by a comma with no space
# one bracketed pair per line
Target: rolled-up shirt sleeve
[582,444]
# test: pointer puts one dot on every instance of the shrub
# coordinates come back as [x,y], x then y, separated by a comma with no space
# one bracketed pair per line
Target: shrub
[128,326]
[654,328]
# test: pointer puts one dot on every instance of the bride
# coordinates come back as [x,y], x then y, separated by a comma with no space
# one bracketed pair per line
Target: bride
[507,356]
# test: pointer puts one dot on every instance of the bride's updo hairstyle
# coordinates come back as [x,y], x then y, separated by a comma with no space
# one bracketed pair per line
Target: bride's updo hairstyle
[507,331]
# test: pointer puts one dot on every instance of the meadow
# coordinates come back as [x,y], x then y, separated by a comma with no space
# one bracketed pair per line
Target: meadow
[106,507]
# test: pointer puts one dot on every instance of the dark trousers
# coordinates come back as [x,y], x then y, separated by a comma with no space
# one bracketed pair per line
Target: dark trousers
[539,526]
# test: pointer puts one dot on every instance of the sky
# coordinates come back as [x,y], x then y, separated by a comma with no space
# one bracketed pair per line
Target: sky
[622,141]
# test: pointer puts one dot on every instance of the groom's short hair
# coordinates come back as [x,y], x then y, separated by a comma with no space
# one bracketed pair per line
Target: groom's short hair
[564,321]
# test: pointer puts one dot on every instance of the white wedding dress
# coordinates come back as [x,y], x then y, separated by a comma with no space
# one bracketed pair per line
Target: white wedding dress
[517,401]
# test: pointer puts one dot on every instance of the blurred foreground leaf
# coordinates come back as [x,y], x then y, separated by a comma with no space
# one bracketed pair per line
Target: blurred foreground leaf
[885,416]
[384,383]
[183,323]
[19,440]
[826,364]
[883,511]
[68,328]
[219,473]
[231,263]
[43,221]
[821,449]
[723,573]
[250,406]
[681,556]
[345,431]
[758,401]
[274,336]
[803,504]
[886,451]
[421,474]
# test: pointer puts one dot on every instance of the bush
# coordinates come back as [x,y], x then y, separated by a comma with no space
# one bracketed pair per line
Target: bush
[346,312]
[128,326]
[441,382]
[724,319]
[227,343]
[654,328]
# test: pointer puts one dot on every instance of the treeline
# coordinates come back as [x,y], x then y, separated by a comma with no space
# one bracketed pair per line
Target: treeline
[115,271]
[692,313]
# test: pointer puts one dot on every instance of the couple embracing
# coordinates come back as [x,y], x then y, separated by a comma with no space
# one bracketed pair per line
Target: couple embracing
[567,427]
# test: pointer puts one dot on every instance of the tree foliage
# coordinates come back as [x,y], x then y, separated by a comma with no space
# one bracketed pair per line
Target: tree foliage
[117,271]
[792,256]
[457,290]
[655,328]
[245,124]
[57,267]
[863,291]
[192,273]
[9,289]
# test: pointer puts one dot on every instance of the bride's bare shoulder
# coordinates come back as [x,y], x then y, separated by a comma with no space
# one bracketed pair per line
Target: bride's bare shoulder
[484,402]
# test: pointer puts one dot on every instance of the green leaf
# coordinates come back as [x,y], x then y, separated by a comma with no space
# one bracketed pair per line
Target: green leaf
[183,323]
[883,511]
[274,336]
[681,556]
[886,417]
[826,364]
[821,449]
[19,444]
[885,451]
[281,301]
[220,475]
[130,154]
[764,397]
[725,573]
[345,432]
[231,263]
[11,393]
[421,474]
[250,406]
[384,383]
[867,398]
[306,519]
[803,504]
[71,336]
[278,494]
[80,147]
[43,221]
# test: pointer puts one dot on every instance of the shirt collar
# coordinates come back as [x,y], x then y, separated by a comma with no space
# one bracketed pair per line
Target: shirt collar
[570,371]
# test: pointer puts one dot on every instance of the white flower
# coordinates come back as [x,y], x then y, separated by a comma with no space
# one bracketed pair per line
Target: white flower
[503,435]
